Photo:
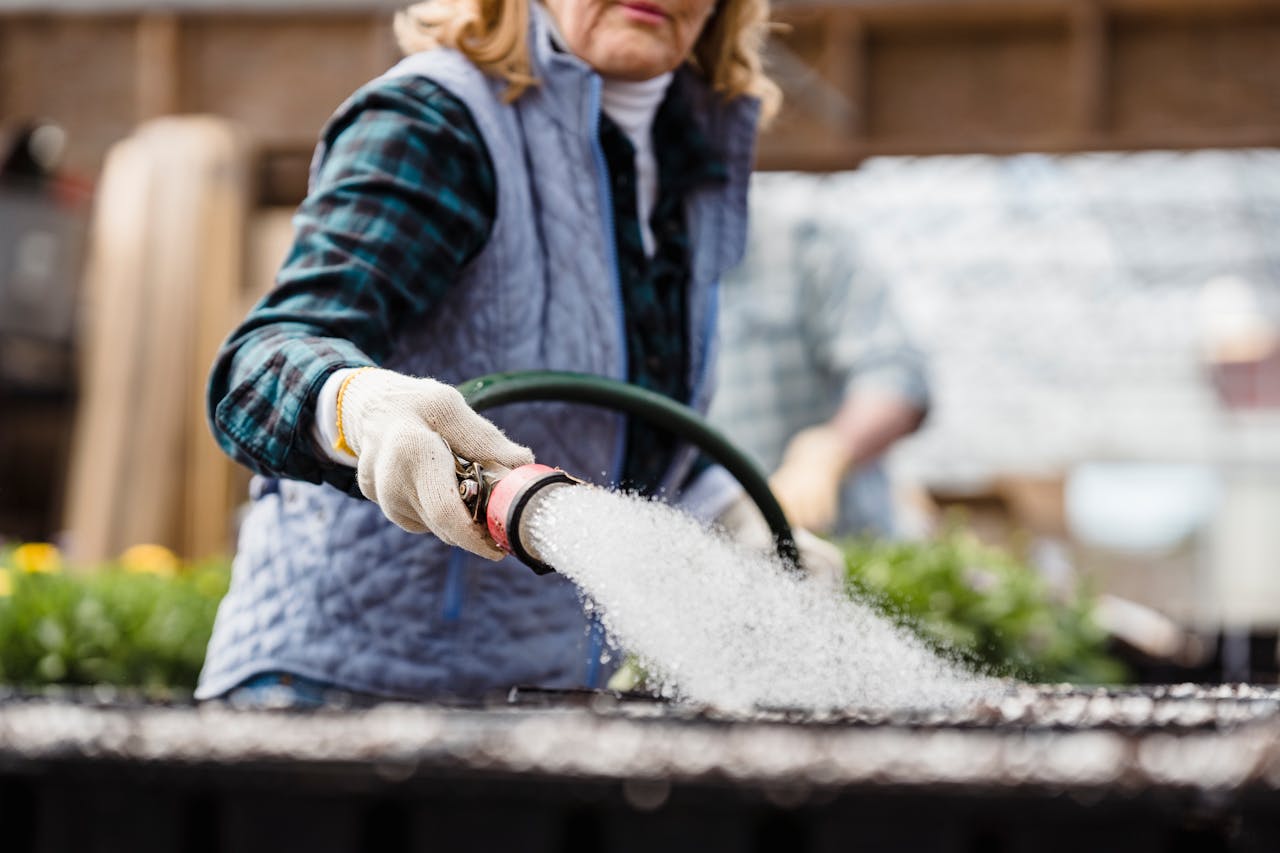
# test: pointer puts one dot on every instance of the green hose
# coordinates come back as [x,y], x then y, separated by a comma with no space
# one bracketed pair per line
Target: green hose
[528,386]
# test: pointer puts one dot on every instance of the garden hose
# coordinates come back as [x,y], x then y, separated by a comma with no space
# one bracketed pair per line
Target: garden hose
[527,386]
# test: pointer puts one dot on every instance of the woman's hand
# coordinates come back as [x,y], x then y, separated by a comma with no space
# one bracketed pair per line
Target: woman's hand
[404,433]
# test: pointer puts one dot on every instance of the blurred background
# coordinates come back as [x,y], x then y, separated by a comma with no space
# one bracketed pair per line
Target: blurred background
[1076,204]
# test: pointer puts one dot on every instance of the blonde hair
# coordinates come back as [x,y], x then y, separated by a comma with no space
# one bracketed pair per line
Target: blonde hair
[493,35]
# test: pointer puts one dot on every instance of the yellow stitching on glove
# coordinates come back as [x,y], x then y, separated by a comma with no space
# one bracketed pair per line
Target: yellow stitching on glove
[340,443]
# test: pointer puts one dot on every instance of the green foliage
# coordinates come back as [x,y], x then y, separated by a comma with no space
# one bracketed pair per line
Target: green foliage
[111,626]
[981,603]
[150,630]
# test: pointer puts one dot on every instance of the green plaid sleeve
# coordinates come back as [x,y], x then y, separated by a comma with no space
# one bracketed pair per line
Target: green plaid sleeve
[403,199]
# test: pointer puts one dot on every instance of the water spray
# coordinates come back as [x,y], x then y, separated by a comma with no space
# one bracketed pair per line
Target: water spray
[501,499]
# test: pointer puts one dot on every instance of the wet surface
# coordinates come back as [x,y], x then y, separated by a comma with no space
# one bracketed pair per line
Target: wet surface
[1183,736]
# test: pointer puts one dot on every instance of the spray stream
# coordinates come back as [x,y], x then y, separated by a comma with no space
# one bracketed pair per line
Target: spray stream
[718,623]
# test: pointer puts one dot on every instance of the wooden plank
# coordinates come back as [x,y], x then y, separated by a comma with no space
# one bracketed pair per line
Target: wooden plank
[1002,76]
[155,451]
[1182,76]
[384,52]
[1173,9]
[1015,12]
[218,275]
[934,14]
[270,238]
[920,75]
[844,61]
[165,286]
[156,68]
[1090,67]
[980,83]
[178,480]
[113,297]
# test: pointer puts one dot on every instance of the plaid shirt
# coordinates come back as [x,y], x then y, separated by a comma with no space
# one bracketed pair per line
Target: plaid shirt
[404,199]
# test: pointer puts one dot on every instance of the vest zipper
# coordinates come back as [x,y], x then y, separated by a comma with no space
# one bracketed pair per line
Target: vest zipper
[596,643]
[606,195]
[704,348]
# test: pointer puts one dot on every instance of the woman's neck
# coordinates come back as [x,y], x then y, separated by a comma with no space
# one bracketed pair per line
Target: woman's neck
[632,104]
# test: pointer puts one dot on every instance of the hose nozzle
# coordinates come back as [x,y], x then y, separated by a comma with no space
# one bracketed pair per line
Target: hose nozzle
[501,498]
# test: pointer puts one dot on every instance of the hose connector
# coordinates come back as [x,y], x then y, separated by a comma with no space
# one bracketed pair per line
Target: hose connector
[501,500]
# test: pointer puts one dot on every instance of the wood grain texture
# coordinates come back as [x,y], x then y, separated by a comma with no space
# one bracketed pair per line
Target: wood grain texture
[113,293]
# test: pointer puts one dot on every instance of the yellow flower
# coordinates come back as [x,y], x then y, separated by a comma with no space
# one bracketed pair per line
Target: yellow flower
[37,558]
[150,559]
[6,584]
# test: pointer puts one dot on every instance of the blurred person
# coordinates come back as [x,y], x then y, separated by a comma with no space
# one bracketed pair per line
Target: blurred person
[30,155]
[817,375]
[533,187]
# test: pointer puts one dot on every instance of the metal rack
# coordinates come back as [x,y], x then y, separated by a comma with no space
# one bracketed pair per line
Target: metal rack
[1159,769]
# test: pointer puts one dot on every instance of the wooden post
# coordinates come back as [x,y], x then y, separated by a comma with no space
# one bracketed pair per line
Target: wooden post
[114,288]
[156,75]
[151,493]
[164,285]
[844,60]
[218,272]
[383,50]
[1090,71]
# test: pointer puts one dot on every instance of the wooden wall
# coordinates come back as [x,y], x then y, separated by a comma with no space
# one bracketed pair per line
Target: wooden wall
[862,78]
[988,76]
[278,74]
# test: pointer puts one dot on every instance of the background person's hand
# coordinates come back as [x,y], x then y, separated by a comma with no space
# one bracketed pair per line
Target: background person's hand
[807,483]
[404,433]
[821,560]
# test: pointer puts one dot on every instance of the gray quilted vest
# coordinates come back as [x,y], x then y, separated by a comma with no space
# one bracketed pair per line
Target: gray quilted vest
[323,585]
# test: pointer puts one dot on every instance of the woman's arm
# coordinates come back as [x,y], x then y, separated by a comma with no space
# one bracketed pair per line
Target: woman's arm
[402,201]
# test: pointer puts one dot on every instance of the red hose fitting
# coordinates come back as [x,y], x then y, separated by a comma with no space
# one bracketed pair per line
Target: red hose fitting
[507,503]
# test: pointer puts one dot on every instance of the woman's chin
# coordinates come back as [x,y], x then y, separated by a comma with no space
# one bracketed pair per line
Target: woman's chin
[636,71]
[634,61]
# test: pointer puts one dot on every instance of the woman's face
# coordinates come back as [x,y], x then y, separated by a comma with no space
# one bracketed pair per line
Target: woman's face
[631,39]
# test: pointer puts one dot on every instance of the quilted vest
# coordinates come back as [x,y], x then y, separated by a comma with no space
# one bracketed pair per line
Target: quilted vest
[323,585]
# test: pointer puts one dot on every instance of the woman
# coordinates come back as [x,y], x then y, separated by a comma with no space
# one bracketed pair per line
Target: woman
[477,210]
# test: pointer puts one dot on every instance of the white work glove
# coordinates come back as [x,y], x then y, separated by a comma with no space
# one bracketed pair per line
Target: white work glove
[807,483]
[821,561]
[404,433]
